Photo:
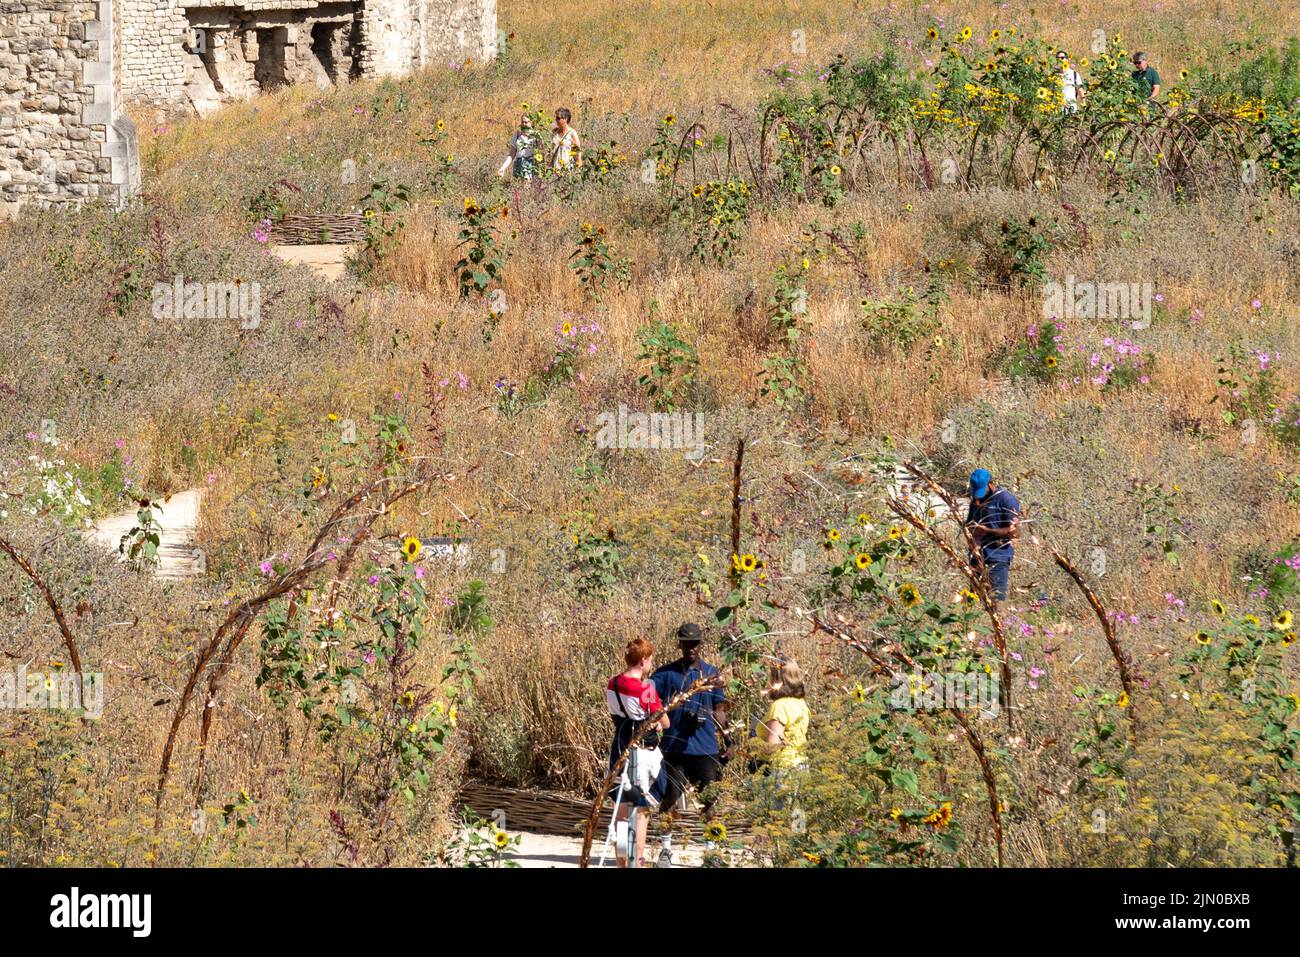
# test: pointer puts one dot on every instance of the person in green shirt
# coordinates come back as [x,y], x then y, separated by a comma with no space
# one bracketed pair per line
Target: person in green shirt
[1145,77]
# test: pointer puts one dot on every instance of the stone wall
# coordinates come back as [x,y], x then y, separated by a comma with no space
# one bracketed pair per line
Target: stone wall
[68,66]
[153,61]
[459,31]
[62,135]
[206,52]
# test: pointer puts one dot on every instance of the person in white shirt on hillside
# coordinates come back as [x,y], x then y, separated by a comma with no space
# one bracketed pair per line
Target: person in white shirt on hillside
[1071,83]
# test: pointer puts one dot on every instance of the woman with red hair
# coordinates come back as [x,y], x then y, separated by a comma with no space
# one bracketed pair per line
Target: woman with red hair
[632,699]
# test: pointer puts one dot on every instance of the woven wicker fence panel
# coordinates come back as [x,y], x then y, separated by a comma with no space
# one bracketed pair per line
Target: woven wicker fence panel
[323,229]
[551,812]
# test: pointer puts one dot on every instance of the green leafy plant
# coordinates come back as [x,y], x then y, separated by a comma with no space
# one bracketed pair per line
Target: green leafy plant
[718,212]
[673,364]
[140,545]
[483,259]
[594,261]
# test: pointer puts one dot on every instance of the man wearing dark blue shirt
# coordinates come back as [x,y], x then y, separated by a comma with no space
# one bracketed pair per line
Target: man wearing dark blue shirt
[994,523]
[690,745]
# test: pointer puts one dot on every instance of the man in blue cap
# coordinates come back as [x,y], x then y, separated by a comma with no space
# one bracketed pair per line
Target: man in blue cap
[690,745]
[994,523]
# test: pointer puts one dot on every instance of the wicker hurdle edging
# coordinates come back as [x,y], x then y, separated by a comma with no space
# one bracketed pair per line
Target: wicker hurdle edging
[322,229]
[553,812]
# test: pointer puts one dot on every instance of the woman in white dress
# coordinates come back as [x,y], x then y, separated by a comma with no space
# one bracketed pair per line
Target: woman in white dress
[566,144]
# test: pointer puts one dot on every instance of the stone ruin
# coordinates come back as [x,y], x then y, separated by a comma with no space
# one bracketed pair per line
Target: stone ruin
[70,68]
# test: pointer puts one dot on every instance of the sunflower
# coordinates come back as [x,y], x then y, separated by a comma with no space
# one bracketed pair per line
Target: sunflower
[859,694]
[440,125]
[965,34]
[833,534]
[807,263]
[411,548]
[1283,621]
[835,171]
[939,817]
[670,120]
[995,35]
[862,560]
[932,33]
[748,562]
[909,595]
[501,840]
[1122,700]
[1203,637]
[697,192]
[968,597]
[408,699]
[1218,608]
[895,813]
[716,832]
[1288,639]
[864,518]
[895,533]
[566,328]
[1251,620]
[1050,362]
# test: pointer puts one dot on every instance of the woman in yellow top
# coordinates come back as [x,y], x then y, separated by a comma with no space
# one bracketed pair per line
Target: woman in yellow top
[784,730]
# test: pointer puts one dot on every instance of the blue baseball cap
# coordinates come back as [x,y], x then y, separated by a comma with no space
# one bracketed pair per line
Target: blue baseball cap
[979,482]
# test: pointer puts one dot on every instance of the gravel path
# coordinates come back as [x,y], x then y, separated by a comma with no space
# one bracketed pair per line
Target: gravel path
[178,515]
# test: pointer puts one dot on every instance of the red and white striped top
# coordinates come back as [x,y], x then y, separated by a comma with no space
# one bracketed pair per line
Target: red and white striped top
[632,698]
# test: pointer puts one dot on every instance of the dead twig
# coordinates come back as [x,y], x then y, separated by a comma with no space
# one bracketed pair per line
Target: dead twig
[976,573]
[238,622]
[734,572]
[1107,627]
[69,640]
